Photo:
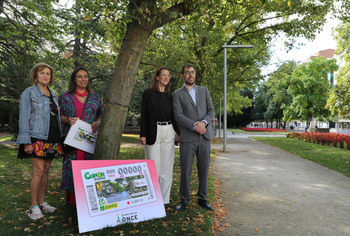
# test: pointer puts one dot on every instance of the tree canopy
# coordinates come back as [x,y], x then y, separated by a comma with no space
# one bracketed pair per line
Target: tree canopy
[28,35]
[124,41]
[272,97]
[237,21]
[309,88]
[339,98]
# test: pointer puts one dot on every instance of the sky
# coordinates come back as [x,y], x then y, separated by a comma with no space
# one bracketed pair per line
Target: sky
[324,40]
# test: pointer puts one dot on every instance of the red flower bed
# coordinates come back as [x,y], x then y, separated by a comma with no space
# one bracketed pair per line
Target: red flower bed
[263,130]
[323,138]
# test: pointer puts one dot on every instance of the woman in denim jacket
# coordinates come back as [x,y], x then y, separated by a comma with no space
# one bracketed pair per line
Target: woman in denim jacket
[39,134]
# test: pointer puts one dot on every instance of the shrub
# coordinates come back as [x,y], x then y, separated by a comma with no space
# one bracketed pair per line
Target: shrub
[323,138]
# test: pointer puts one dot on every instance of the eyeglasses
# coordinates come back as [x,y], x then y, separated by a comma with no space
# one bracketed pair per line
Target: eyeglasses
[166,75]
[187,72]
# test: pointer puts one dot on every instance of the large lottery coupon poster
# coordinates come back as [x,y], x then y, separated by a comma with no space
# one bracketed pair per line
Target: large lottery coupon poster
[113,192]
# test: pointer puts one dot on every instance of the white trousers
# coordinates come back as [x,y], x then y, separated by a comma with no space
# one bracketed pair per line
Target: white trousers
[162,152]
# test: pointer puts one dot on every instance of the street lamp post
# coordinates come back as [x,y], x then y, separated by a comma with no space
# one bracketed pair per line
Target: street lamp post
[220,119]
[225,87]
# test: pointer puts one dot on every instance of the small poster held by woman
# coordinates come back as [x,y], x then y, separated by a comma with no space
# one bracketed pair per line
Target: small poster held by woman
[80,136]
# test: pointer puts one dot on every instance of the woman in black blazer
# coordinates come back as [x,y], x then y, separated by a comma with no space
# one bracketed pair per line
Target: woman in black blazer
[159,131]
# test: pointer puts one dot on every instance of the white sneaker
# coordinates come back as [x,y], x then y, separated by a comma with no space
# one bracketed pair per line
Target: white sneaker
[35,213]
[46,208]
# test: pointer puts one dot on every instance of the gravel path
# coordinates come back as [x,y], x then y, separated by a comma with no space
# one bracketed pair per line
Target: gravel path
[270,192]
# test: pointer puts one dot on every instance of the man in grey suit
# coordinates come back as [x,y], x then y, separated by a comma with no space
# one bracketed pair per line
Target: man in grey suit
[193,112]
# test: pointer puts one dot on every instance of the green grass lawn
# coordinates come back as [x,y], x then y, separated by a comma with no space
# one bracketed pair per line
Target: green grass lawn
[248,132]
[130,138]
[6,138]
[15,200]
[331,157]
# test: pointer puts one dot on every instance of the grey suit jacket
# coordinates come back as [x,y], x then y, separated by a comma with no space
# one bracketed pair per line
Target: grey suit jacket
[186,113]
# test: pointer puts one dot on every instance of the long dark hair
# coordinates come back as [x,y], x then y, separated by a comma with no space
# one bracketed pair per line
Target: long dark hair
[155,83]
[72,84]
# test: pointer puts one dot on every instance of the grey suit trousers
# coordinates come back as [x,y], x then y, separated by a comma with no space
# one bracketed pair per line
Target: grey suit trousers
[188,150]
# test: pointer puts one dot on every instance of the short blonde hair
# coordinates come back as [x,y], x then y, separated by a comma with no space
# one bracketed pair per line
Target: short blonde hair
[37,68]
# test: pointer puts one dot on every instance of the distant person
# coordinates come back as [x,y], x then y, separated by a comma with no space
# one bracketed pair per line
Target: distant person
[193,112]
[77,103]
[158,129]
[40,135]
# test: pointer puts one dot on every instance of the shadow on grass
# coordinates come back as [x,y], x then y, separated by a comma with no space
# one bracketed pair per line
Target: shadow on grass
[15,200]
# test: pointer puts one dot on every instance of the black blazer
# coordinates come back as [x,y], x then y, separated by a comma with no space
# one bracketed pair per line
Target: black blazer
[148,120]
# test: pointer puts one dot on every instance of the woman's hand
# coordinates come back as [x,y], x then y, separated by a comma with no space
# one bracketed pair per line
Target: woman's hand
[143,140]
[72,120]
[95,125]
[28,148]
[177,138]
[68,120]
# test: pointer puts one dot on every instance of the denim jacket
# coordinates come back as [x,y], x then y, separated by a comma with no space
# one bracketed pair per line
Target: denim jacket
[34,115]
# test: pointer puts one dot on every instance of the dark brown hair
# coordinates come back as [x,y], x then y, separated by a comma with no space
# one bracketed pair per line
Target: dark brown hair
[155,83]
[72,84]
[186,67]
[39,67]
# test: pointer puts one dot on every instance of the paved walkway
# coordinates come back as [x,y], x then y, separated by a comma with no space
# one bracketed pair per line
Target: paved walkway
[270,192]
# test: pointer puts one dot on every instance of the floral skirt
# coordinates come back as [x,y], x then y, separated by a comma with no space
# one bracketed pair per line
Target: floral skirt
[42,149]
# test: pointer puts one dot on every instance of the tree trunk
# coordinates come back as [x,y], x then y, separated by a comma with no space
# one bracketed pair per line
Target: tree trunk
[117,102]
[77,43]
[308,121]
[1,6]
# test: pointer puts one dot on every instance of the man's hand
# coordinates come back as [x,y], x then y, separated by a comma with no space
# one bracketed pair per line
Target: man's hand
[200,127]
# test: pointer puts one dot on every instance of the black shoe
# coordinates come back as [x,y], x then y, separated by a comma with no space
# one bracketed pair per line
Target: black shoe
[205,205]
[181,206]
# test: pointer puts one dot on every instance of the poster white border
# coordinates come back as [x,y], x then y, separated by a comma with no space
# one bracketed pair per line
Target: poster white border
[129,214]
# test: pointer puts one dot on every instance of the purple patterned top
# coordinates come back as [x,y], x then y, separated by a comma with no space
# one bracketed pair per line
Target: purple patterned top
[93,108]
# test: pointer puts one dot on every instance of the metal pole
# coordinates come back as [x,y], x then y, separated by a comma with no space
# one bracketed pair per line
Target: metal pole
[213,123]
[225,98]
[220,119]
[225,87]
